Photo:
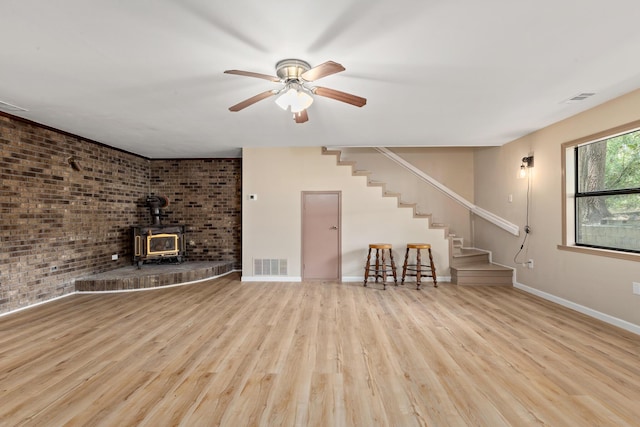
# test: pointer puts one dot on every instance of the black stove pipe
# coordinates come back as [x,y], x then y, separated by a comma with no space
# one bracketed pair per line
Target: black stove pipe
[155,203]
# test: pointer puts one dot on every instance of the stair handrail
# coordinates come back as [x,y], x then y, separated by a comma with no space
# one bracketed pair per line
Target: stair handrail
[476,210]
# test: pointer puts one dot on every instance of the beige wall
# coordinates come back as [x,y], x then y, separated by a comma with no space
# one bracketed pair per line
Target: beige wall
[272,223]
[597,285]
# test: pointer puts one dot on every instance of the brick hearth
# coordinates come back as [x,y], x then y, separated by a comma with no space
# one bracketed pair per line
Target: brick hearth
[152,276]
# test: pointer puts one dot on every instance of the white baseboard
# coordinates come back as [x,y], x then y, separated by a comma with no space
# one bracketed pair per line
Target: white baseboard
[352,278]
[36,304]
[581,309]
[271,279]
[344,279]
[407,280]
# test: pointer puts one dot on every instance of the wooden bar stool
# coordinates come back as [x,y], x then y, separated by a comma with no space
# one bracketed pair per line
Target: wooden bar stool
[416,269]
[380,268]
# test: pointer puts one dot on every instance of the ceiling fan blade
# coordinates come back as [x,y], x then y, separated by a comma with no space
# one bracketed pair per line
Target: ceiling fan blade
[247,102]
[322,70]
[301,117]
[252,74]
[340,96]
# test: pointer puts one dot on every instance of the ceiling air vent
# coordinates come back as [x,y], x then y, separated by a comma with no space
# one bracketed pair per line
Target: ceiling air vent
[5,106]
[580,97]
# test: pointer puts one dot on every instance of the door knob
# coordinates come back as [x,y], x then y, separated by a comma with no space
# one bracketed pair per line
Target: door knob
[333,228]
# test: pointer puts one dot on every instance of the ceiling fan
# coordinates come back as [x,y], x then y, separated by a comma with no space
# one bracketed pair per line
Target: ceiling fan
[296,95]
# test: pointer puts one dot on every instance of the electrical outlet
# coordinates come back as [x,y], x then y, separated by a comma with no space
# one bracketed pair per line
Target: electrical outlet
[114,257]
[530,264]
[636,288]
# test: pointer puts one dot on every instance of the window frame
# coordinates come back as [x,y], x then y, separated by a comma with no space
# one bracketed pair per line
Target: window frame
[570,191]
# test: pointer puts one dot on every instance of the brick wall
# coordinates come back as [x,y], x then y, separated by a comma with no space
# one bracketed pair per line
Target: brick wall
[206,196]
[58,223]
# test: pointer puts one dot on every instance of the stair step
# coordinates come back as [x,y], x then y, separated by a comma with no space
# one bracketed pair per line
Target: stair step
[406,205]
[346,163]
[457,241]
[483,269]
[484,281]
[336,153]
[468,256]
[471,252]
[482,274]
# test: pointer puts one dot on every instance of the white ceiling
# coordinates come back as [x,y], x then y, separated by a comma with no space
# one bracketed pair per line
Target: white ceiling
[147,76]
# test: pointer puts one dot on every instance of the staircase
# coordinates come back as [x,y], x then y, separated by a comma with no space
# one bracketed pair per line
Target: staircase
[473,267]
[385,193]
[468,266]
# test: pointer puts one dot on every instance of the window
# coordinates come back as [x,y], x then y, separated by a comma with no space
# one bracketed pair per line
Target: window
[602,191]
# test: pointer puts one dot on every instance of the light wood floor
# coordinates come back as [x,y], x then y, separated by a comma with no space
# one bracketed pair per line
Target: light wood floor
[229,353]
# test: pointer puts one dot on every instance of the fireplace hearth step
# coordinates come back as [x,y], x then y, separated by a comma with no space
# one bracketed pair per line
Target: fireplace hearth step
[152,276]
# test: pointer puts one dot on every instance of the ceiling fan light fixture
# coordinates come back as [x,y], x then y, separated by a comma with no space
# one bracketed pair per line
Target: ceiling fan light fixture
[303,101]
[285,98]
[294,98]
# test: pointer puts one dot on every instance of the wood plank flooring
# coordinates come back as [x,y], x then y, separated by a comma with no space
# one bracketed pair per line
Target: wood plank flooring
[228,353]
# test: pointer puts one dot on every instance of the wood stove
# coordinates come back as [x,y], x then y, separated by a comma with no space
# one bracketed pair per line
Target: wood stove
[157,242]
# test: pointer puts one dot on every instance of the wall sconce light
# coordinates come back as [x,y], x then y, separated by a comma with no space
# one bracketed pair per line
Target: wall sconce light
[74,164]
[527,162]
